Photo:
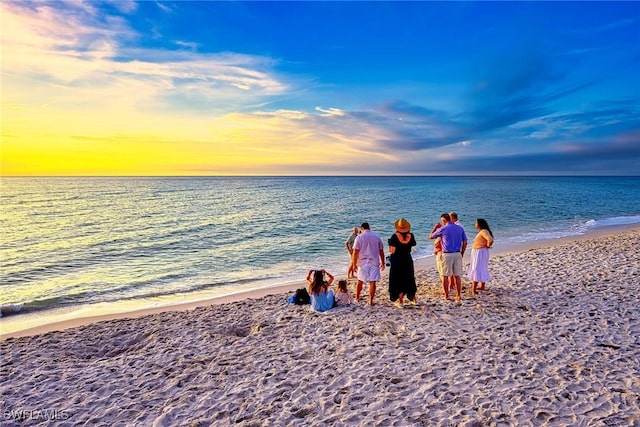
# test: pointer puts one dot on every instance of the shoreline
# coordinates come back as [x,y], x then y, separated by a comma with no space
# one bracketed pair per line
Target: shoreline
[420,265]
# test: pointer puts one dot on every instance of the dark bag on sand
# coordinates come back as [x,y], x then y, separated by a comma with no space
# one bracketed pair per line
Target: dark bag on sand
[302,297]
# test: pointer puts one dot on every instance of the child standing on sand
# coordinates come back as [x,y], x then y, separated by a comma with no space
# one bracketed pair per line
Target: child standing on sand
[343,296]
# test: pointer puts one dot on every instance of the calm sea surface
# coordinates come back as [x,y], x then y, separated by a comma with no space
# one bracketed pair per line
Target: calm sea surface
[69,243]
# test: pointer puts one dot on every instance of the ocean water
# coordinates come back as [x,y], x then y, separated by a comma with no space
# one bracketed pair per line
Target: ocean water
[71,243]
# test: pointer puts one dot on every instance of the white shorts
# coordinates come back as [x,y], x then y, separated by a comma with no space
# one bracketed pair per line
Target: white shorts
[369,273]
[450,264]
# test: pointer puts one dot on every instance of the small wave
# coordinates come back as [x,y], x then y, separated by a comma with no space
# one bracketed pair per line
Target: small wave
[423,252]
[10,309]
[573,229]
[109,296]
[613,221]
[31,306]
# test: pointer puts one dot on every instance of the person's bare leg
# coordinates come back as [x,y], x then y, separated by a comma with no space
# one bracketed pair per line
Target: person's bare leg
[458,283]
[372,292]
[445,286]
[358,290]
[481,287]
[474,291]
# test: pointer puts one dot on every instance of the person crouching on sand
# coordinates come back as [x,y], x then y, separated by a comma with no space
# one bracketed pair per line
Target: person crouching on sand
[322,299]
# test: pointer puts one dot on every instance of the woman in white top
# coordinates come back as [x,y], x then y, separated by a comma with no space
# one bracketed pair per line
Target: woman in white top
[478,271]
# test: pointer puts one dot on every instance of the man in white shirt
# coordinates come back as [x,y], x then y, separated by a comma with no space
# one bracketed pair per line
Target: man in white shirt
[454,219]
[368,260]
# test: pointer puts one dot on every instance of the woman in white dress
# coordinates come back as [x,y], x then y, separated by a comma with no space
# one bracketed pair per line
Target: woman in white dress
[479,268]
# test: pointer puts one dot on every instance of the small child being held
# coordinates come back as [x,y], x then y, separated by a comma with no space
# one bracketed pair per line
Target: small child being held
[437,246]
[343,296]
[437,251]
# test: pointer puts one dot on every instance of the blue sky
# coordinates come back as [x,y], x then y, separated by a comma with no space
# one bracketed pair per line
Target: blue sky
[314,88]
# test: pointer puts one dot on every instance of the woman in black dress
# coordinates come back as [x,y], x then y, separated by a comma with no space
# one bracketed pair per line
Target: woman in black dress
[402,280]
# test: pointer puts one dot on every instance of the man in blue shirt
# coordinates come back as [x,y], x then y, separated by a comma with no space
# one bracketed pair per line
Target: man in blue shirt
[454,243]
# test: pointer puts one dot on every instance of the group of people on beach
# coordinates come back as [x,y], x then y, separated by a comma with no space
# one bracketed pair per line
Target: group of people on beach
[367,256]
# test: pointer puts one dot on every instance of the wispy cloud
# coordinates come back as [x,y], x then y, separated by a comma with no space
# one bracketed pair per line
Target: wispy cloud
[163,6]
[78,54]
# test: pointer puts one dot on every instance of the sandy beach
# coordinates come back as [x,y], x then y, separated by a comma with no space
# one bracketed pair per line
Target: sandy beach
[554,340]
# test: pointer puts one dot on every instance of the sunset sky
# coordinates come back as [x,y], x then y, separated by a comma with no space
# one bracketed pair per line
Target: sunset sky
[320,88]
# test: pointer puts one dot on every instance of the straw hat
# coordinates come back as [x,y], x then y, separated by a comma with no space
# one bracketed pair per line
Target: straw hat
[402,225]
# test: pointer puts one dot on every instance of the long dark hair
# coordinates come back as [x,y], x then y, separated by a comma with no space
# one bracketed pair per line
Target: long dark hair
[318,282]
[484,225]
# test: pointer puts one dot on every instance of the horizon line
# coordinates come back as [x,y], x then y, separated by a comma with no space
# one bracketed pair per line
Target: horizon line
[329,176]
